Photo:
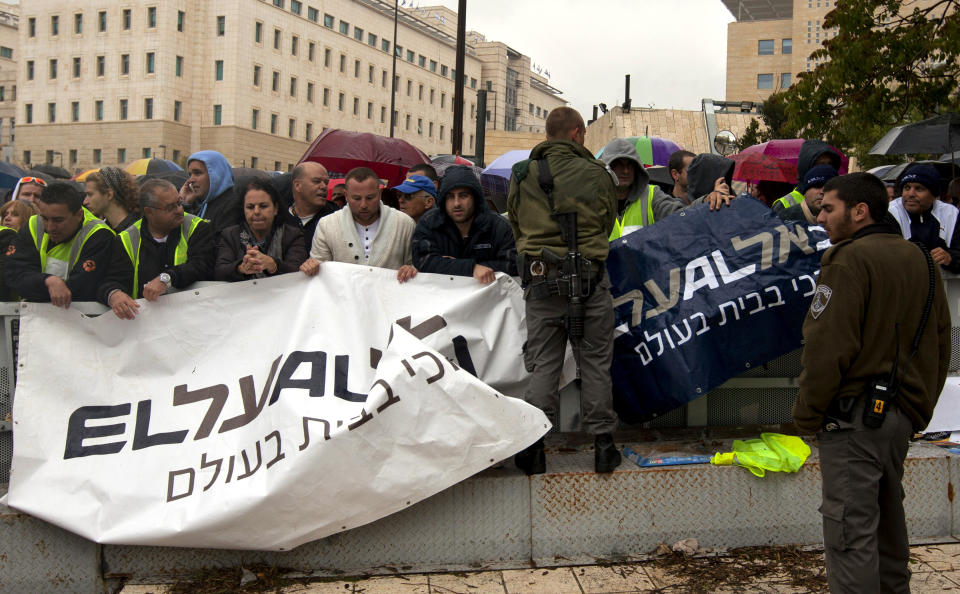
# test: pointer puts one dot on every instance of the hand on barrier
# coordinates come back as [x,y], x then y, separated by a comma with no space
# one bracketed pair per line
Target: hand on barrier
[59,293]
[483,274]
[406,272]
[310,267]
[123,306]
[153,289]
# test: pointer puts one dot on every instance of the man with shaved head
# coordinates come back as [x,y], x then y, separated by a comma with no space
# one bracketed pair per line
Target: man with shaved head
[310,204]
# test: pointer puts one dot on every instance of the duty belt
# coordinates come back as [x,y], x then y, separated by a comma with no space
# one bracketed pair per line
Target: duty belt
[547,279]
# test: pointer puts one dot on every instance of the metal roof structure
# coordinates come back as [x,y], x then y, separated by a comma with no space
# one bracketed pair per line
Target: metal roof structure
[759,10]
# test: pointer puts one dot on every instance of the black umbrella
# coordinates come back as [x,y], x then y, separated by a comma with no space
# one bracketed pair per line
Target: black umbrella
[896,172]
[934,135]
[53,171]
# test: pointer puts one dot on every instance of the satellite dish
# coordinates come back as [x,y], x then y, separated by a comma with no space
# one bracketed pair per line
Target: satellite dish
[725,142]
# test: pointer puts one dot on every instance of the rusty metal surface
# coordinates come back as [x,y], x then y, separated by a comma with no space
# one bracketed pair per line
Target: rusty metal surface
[39,557]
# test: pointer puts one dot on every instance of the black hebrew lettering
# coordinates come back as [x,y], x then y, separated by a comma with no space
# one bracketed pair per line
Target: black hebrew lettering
[246,463]
[251,407]
[204,464]
[141,433]
[423,329]
[306,431]
[462,352]
[171,479]
[279,455]
[391,397]
[230,470]
[318,374]
[363,418]
[77,431]
[341,367]
[438,362]
[217,396]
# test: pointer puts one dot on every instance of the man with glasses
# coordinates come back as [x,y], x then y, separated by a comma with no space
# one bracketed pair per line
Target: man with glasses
[62,253]
[163,250]
[29,189]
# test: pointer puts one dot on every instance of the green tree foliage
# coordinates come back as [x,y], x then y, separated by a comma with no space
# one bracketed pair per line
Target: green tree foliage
[773,114]
[890,62]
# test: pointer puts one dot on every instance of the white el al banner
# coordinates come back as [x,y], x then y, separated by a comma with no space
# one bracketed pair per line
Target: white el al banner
[270,413]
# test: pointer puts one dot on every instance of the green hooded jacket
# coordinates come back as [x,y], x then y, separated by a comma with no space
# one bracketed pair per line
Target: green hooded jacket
[581,184]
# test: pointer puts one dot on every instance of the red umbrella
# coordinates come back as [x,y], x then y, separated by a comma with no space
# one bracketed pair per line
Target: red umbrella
[788,150]
[753,167]
[340,151]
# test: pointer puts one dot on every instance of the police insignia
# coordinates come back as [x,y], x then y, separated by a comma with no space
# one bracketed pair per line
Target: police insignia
[89,265]
[820,300]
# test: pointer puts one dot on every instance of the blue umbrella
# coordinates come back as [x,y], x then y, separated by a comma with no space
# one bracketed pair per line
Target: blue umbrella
[10,175]
[502,164]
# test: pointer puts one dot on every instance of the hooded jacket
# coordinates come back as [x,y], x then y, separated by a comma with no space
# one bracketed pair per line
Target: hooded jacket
[662,204]
[221,205]
[704,171]
[439,247]
[810,151]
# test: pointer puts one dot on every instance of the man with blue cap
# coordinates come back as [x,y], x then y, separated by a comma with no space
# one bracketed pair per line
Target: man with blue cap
[811,186]
[209,192]
[417,195]
[924,219]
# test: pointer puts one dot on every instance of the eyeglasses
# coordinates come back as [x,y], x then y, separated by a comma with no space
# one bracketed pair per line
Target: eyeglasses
[33,180]
[170,207]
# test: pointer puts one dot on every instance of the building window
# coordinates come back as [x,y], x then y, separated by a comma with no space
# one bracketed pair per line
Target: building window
[441,133]
[356,106]
[31,32]
[256,76]
[343,63]
[98,110]
[784,80]
[410,56]
[126,19]
[443,100]
[356,69]
[409,87]
[407,127]
[369,110]
[383,79]
[101,65]
[221,26]
[254,119]
[148,108]
[344,27]
[276,38]
[217,115]
[218,70]
[177,110]
[765,47]
[29,69]
[433,67]
[420,93]
[385,45]
[274,123]
[291,127]
[294,42]
[53,68]
[178,69]
[431,96]
[296,7]
[124,64]
[76,68]
[311,51]
[293,86]
[383,114]
[309,92]
[326,57]
[278,3]
[75,111]
[54,25]
[258,32]
[370,70]
[51,112]
[181,16]
[326,97]
[473,83]
[121,155]
[151,62]
[145,152]
[340,102]
[422,61]
[764,81]
[786,46]
[430,133]
[308,132]
[28,116]
[358,33]
[97,155]
[123,109]
[151,17]
[420,126]
[398,51]
[371,40]
[328,21]
[275,86]
[78,23]
[313,14]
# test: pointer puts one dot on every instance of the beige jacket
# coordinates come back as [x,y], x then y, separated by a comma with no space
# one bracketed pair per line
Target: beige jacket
[336,239]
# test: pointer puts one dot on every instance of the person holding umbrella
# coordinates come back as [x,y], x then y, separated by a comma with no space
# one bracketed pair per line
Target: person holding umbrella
[926,220]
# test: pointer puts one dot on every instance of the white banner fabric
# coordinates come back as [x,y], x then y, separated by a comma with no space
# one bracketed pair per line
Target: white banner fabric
[266,414]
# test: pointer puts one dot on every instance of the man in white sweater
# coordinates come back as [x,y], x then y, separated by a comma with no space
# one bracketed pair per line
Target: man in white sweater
[367,232]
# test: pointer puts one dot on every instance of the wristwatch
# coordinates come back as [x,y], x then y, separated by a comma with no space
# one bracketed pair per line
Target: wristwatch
[165,279]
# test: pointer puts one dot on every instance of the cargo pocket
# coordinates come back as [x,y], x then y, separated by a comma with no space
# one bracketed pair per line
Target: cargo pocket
[834,531]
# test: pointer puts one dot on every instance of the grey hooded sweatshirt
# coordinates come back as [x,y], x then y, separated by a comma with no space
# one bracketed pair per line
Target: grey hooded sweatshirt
[663,204]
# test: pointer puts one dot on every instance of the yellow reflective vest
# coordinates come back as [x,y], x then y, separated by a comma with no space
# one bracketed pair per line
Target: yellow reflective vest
[792,199]
[131,240]
[639,214]
[61,258]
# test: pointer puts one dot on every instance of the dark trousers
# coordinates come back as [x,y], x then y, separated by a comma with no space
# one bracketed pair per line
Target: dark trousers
[864,527]
[546,347]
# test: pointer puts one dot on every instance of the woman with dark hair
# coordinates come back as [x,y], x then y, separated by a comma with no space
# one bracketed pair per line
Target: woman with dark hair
[113,195]
[262,245]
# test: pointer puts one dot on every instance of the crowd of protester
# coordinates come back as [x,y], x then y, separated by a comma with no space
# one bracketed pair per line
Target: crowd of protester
[124,238]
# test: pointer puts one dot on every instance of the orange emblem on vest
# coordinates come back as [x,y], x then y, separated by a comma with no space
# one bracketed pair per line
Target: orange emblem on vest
[89,266]
[11,249]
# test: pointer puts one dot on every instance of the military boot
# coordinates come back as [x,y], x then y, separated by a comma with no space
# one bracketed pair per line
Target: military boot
[532,460]
[606,456]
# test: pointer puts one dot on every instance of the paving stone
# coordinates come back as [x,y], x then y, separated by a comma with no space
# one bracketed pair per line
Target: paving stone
[614,578]
[541,581]
[921,583]
[486,582]
[411,584]
[939,557]
[320,588]
[144,589]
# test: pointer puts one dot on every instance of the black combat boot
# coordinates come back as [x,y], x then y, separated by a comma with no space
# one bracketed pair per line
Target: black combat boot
[606,456]
[532,460]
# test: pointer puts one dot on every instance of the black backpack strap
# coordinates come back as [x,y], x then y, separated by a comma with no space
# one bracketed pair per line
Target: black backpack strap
[545,179]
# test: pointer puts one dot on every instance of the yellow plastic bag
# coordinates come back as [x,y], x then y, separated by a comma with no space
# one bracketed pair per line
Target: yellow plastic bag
[773,451]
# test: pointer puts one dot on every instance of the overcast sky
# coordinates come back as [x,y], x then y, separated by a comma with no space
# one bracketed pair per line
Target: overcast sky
[674,50]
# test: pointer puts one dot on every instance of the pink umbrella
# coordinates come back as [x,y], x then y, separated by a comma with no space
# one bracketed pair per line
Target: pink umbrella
[788,150]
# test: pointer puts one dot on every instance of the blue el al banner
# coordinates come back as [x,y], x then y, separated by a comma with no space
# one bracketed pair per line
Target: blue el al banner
[702,297]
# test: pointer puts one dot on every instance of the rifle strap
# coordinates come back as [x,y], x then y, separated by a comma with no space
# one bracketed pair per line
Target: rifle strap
[545,179]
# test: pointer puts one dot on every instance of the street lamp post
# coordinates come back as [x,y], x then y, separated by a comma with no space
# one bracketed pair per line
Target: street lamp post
[393,80]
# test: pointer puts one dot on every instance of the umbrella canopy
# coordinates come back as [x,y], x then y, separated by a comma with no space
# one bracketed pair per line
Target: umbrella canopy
[450,160]
[53,171]
[789,150]
[754,167]
[501,166]
[9,175]
[151,166]
[82,177]
[340,151]
[881,171]
[177,178]
[933,135]
[896,171]
[652,150]
[41,174]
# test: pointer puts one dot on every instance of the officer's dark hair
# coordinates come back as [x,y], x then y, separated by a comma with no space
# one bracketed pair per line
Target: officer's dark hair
[561,121]
[425,169]
[150,189]
[63,193]
[264,185]
[360,174]
[855,188]
[676,160]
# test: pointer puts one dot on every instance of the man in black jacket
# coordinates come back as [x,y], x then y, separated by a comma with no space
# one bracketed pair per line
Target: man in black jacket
[163,250]
[462,237]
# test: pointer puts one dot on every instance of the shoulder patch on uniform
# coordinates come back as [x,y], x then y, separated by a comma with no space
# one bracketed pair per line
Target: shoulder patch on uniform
[89,265]
[11,249]
[520,169]
[820,300]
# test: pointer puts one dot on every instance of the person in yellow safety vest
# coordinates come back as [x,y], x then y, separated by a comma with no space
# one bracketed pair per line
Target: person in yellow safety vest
[812,153]
[639,202]
[62,254]
[163,250]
